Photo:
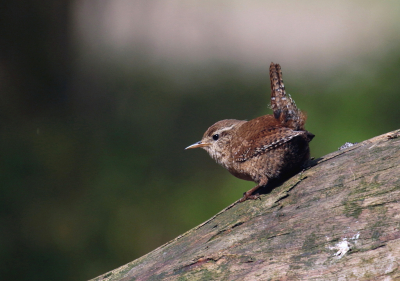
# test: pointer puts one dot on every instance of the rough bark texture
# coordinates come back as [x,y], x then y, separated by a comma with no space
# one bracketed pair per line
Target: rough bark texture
[339,220]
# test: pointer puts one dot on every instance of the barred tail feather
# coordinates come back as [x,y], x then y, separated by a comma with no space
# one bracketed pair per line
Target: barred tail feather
[282,104]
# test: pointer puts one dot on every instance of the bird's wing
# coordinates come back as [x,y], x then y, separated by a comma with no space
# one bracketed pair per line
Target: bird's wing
[258,142]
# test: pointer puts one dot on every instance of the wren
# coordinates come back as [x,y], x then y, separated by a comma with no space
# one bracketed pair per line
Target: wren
[270,147]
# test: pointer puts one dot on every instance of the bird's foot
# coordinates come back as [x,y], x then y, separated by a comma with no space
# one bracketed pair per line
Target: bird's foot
[250,196]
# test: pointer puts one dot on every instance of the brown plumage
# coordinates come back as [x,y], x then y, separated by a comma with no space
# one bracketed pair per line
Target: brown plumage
[265,148]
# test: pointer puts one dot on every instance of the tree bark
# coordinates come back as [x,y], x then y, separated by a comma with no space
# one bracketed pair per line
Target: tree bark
[339,220]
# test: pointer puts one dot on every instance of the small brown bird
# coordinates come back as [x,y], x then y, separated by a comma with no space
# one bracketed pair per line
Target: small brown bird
[266,148]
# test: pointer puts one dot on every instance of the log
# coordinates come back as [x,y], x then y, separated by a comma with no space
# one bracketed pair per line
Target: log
[338,220]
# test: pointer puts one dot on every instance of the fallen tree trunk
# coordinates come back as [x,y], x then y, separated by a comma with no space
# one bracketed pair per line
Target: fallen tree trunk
[339,220]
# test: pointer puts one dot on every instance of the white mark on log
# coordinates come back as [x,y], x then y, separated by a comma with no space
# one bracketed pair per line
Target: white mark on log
[344,246]
[355,236]
[346,145]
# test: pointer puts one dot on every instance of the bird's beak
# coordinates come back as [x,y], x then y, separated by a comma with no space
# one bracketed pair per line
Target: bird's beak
[197,144]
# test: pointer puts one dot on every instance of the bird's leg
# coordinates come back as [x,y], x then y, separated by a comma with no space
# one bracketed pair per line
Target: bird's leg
[249,194]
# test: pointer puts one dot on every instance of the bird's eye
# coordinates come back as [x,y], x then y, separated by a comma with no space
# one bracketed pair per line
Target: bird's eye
[215,137]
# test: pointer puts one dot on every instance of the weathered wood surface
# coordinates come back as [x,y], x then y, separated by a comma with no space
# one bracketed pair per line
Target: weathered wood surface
[339,220]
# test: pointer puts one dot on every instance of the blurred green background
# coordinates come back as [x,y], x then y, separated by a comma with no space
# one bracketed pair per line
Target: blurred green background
[99,99]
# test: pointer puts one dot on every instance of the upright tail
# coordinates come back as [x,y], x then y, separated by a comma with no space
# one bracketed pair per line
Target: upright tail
[283,106]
